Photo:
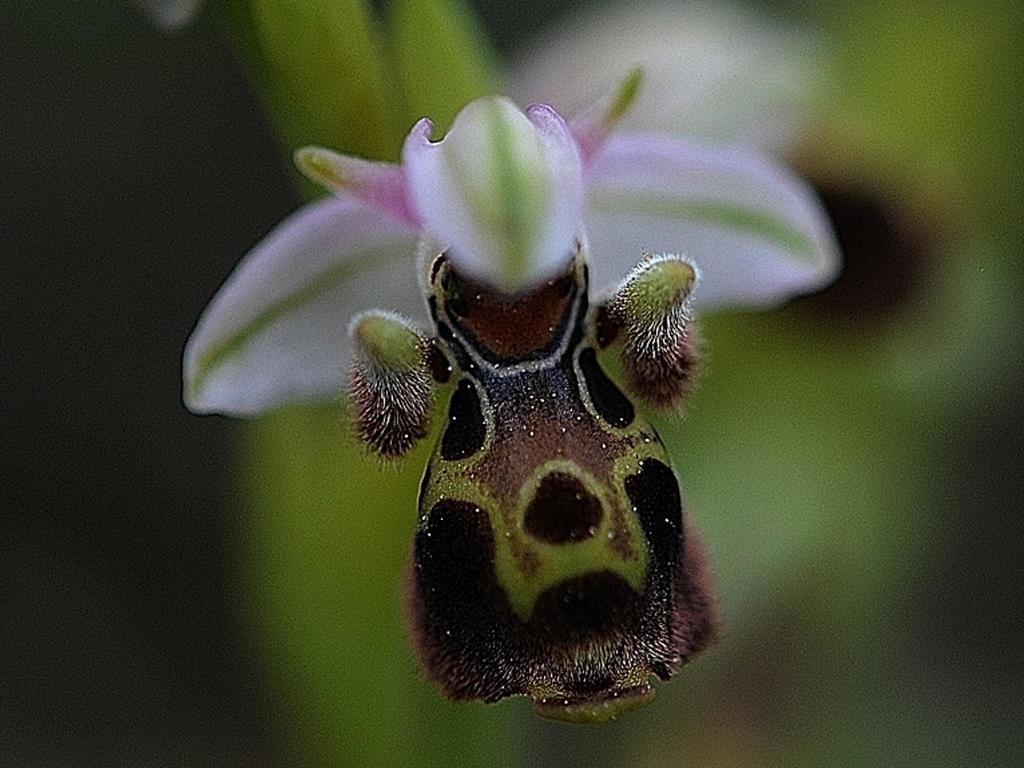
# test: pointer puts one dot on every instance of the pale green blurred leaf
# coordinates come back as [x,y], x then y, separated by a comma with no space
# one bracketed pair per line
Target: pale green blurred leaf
[442,59]
[325,556]
[326,75]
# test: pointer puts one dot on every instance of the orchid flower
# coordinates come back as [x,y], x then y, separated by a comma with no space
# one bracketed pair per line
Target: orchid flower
[505,193]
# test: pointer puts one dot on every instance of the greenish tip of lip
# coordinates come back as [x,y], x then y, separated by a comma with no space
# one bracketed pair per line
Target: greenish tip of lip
[596,711]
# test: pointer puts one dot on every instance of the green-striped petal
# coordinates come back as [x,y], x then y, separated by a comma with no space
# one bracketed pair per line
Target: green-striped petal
[277,331]
[757,233]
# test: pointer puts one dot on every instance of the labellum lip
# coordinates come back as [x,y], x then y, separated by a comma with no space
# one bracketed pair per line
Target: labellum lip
[552,559]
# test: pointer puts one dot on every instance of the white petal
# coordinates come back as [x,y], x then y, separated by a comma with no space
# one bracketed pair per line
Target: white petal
[503,191]
[277,331]
[712,71]
[756,232]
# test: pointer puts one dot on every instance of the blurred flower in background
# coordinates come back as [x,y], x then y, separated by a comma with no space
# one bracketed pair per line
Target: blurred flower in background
[717,72]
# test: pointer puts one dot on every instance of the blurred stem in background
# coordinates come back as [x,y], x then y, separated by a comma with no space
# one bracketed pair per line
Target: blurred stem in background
[812,455]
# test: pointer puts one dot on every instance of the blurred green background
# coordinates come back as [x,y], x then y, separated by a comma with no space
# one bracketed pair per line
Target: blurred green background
[177,590]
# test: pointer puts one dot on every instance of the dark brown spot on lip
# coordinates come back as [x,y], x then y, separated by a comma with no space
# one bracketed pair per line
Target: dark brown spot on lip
[563,285]
[438,364]
[456,304]
[466,430]
[562,510]
[609,402]
[585,607]
[436,266]
[654,492]
[457,607]
[606,327]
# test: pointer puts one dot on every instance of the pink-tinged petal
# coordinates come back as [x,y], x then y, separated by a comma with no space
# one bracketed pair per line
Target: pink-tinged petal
[277,331]
[502,191]
[757,233]
[380,185]
[564,222]
[592,127]
[712,71]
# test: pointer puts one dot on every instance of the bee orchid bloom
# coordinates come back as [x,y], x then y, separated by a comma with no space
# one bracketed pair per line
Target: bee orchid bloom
[506,193]
[554,556]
